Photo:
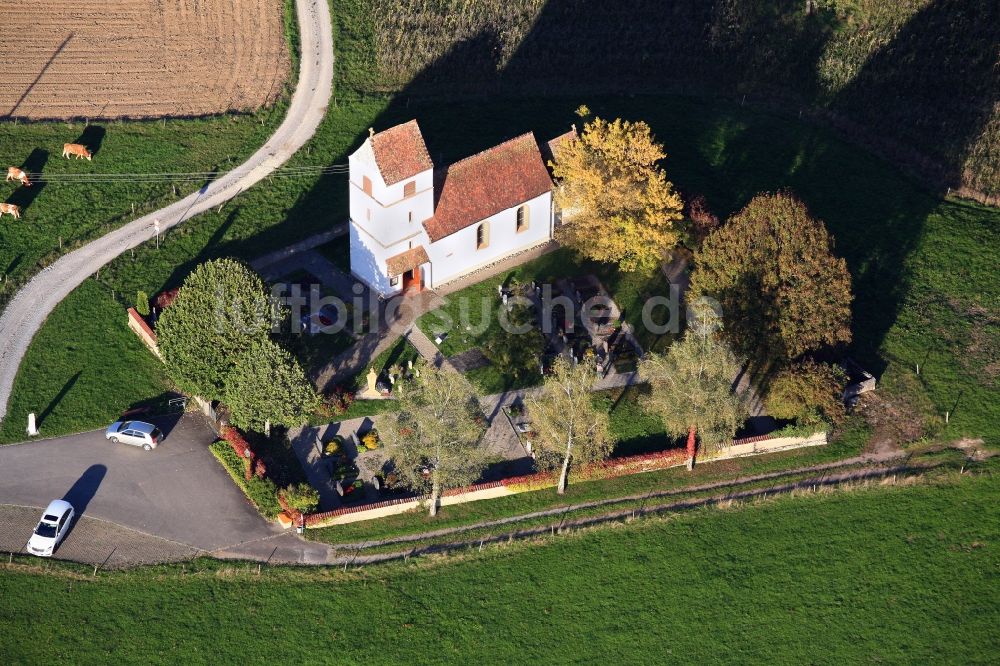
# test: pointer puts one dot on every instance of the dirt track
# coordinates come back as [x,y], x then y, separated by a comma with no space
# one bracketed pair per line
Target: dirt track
[140,58]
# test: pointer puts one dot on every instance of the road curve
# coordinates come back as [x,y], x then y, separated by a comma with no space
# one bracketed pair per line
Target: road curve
[27,310]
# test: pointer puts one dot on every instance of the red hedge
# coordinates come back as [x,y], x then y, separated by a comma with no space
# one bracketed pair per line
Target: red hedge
[254,465]
[166,298]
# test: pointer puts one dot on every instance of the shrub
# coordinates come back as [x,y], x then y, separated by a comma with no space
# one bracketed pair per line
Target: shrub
[808,392]
[259,468]
[337,403]
[165,299]
[703,220]
[142,303]
[262,492]
[344,469]
[352,491]
[370,440]
[241,448]
[301,497]
[333,446]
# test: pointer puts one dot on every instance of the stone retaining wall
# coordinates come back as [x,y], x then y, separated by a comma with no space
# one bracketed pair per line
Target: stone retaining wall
[142,329]
[740,448]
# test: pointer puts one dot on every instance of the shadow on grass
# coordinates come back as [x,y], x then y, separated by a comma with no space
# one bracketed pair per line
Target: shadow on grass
[92,137]
[725,153]
[67,387]
[23,197]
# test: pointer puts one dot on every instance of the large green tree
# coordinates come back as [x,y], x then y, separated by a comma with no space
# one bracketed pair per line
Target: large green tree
[808,392]
[433,440]
[568,426]
[268,386]
[691,386]
[221,309]
[782,290]
[617,204]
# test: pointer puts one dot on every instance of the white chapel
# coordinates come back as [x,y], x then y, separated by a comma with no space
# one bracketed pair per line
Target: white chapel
[414,226]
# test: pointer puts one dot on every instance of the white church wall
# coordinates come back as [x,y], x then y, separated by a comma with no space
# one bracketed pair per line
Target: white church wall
[456,255]
[368,258]
[387,214]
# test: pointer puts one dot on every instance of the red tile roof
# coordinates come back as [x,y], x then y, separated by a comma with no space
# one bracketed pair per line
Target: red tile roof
[406,260]
[487,183]
[552,147]
[400,152]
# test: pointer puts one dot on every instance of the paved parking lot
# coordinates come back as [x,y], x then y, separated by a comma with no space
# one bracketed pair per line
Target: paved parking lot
[178,491]
[91,541]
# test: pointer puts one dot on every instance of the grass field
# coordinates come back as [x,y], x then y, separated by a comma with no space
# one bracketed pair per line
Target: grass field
[79,381]
[923,268]
[891,574]
[59,216]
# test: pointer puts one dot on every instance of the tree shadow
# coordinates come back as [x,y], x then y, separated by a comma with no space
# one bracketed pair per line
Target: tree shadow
[166,422]
[875,216]
[940,69]
[211,250]
[495,91]
[395,353]
[589,46]
[67,387]
[92,137]
[168,402]
[84,489]
[23,197]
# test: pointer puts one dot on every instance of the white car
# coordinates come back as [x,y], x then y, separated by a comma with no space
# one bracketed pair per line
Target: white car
[51,528]
[136,433]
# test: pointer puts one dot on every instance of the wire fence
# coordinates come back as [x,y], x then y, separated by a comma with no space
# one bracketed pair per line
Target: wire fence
[178,177]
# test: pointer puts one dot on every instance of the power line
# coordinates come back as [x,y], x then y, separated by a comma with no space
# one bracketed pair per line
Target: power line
[186,176]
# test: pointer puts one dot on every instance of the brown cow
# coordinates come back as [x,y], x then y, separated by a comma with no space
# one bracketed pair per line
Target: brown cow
[11,209]
[13,173]
[76,149]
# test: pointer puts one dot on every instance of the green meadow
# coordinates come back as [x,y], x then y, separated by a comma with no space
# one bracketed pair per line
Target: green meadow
[883,574]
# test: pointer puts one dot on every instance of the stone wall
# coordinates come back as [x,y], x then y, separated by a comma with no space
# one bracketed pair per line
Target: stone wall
[740,448]
[142,329]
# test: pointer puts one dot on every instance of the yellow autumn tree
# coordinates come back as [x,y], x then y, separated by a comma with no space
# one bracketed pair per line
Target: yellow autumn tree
[617,204]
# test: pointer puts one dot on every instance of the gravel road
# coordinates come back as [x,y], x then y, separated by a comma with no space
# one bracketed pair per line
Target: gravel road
[27,311]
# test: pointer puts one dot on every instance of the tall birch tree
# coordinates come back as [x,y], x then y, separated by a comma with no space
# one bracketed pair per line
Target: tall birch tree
[691,386]
[569,427]
[433,440]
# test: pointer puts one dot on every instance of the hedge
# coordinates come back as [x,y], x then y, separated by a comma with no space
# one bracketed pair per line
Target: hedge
[262,492]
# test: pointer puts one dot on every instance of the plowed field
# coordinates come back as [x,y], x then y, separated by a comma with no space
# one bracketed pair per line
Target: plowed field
[140,58]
